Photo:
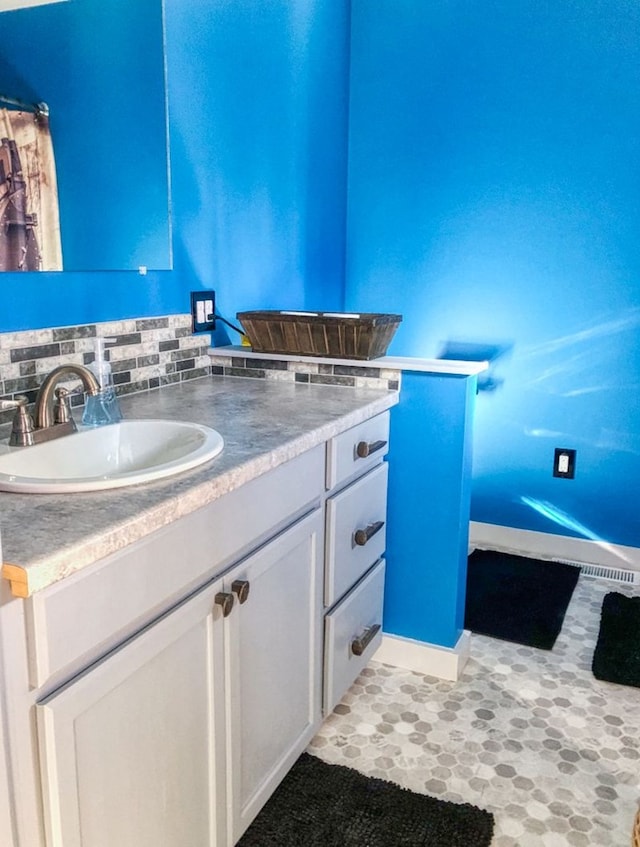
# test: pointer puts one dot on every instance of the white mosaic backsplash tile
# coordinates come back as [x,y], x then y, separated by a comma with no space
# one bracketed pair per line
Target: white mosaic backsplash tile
[358,374]
[147,353]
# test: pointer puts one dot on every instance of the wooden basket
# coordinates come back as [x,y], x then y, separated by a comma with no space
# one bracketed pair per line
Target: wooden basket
[325,334]
[635,835]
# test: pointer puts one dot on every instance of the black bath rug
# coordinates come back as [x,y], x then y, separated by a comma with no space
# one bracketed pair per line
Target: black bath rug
[617,654]
[515,598]
[321,805]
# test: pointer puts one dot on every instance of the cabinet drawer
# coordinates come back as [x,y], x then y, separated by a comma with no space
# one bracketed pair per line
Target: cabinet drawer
[357,619]
[79,618]
[359,508]
[356,450]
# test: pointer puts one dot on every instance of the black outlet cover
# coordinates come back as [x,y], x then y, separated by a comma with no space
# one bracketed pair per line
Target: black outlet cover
[564,463]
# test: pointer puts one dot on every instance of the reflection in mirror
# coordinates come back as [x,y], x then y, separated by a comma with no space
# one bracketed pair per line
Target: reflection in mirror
[98,65]
[29,209]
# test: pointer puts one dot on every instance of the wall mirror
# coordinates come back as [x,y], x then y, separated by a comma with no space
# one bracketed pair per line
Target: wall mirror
[99,66]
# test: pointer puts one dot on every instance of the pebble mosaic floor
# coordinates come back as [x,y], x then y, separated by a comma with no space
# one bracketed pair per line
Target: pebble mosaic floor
[527,734]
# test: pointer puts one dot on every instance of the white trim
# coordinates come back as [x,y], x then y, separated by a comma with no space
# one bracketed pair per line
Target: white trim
[438,366]
[558,548]
[397,363]
[429,659]
[10,5]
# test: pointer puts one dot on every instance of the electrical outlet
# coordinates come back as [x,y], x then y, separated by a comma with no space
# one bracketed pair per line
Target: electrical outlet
[203,311]
[564,463]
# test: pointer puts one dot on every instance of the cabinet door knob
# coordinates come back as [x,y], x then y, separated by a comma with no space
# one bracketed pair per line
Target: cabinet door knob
[361,536]
[241,587]
[225,601]
[365,448]
[360,644]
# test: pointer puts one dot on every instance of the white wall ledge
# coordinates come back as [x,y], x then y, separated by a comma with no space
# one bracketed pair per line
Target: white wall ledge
[398,363]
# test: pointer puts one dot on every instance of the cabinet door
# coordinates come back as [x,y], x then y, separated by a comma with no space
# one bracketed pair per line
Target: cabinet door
[274,661]
[128,749]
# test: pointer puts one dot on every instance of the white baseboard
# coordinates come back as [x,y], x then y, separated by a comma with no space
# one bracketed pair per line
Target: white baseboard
[429,659]
[544,545]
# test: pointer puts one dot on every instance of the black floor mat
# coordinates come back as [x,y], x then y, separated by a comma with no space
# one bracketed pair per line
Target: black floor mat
[617,654]
[516,598]
[321,805]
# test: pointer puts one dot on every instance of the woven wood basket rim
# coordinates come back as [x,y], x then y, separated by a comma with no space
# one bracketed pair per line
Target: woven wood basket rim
[320,317]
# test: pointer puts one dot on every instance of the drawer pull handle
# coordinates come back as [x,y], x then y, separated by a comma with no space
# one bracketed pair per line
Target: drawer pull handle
[240,588]
[360,644]
[361,536]
[225,601]
[365,448]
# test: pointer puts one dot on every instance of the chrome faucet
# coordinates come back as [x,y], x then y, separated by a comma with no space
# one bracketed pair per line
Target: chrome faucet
[50,419]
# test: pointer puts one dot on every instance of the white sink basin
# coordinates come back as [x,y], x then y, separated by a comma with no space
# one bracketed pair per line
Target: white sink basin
[111,456]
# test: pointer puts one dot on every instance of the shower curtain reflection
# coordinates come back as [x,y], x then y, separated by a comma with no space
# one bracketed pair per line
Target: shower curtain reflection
[29,214]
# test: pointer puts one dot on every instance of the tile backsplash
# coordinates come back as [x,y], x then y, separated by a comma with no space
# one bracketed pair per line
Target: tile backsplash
[147,353]
[358,374]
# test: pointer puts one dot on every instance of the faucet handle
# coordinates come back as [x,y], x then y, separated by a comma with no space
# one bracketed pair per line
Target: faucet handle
[7,405]
[61,407]
[22,426]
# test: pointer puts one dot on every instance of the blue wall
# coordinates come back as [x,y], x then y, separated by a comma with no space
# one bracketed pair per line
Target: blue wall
[258,149]
[494,201]
[428,508]
[257,124]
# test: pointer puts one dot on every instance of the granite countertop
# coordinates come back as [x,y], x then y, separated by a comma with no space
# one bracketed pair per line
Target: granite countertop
[263,423]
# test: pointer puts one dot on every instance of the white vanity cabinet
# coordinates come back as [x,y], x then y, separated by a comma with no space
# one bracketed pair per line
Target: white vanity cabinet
[157,697]
[355,542]
[180,735]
